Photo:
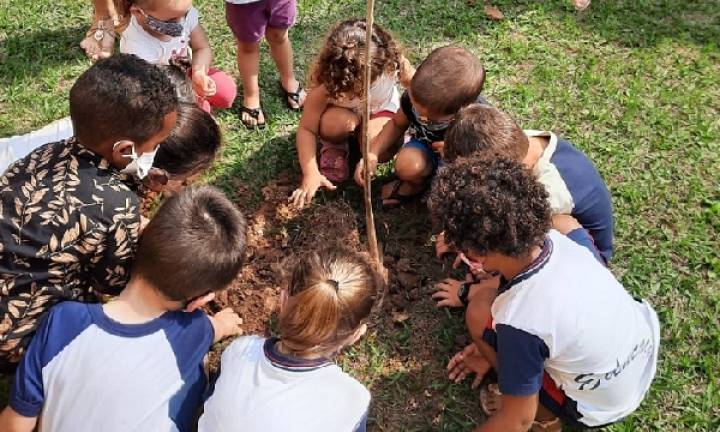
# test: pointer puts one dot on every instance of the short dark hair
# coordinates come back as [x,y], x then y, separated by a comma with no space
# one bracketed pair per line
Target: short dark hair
[482,129]
[447,80]
[490,205]
[195,244]
[192,145]
[121,97]
[177,71]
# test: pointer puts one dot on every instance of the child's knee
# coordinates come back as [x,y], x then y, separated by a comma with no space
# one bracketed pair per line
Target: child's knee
[336,124]
[411,165]
[276,36]
[248,47]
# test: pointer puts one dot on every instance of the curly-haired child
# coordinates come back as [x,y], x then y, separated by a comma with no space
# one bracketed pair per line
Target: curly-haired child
[447,80]
[289,383]
[332,109]
[569,343]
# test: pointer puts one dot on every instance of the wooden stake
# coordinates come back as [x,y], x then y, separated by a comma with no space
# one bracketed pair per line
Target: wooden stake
[369,218]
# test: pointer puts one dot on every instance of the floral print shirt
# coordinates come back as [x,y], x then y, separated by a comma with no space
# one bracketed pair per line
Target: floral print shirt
[69,226]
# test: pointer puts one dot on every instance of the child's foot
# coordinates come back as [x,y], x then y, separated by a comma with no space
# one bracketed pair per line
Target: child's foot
[99,41]
[252,118]
[581,5]
[294,99]
[334,163]
[490,399]
[399,192]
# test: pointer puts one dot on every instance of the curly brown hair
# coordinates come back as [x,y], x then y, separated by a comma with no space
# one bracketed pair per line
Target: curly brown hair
[490,205]
[340,66]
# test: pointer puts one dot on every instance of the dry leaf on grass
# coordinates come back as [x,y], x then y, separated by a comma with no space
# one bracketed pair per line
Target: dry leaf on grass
[494,13]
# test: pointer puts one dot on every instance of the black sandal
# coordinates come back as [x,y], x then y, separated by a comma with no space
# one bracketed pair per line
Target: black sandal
[294,96]
[254,113]
[403,199]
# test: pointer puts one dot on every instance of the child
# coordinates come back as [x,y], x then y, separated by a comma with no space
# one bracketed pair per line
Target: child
[136,363]
[161,31]
[290,383]
[447,80]
[249,21]
[332,111]
[573,183]
[567,340]
[70,215]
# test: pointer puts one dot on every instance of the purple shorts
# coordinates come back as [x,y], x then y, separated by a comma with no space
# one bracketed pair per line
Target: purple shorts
[248,21]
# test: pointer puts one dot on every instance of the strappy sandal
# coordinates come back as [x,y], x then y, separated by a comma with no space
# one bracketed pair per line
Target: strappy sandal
[254,113]
[99,41]
[403,199]
[334,163]
[293,96]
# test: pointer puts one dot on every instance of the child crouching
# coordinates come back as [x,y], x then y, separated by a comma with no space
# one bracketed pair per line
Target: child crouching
[291,383]
[136,363]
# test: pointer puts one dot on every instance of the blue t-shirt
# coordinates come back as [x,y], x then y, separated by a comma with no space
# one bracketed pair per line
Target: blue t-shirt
[84,371]
[576,188]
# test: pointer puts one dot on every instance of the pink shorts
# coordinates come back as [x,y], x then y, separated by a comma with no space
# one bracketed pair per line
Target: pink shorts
[249,21]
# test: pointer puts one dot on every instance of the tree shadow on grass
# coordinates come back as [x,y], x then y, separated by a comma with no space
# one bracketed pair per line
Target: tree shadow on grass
[28,54]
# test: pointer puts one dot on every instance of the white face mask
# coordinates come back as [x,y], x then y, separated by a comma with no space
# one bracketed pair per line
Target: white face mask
[139,166]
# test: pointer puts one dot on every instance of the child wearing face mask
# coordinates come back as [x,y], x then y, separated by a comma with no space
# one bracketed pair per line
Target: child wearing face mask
[164,31]
[70,211]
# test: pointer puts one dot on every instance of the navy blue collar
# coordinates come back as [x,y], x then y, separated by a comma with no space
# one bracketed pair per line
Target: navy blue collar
[532,269]
[289,363]
[111,326]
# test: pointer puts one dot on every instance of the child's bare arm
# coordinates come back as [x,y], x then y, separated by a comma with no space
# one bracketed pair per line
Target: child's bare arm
[516,415]
[379,146]
[407,71]
[201,61]
[306,142]
[226,323]
[11,421]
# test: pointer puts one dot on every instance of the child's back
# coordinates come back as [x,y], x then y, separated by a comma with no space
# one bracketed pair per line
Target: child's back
[86,371]
[276,393]
[600,345]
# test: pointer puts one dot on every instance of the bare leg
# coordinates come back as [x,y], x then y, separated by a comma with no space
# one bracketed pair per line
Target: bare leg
[412,168]
[282,53]
[337,124]
[248,60]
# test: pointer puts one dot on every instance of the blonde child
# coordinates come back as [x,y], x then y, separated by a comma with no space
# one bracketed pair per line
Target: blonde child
[250,21]
[165,31]
[290,382]
[332,109]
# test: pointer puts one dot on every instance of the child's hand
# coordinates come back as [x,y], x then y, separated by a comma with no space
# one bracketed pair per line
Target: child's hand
[226,323]
[442,248]
[309,186]
[203,85]
[466,362]
[447,293]
[406,72]
[438,147]
[360,169]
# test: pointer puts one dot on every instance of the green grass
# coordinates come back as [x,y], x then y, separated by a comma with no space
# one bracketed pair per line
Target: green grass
[635,84]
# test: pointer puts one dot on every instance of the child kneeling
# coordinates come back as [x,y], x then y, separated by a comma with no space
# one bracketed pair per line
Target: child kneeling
[291,383]
[137,363]
[566,339]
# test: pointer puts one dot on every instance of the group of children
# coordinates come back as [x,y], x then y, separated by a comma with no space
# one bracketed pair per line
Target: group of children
[100,310]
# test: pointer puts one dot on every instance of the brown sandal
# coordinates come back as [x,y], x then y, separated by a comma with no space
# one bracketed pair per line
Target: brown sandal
[99,41]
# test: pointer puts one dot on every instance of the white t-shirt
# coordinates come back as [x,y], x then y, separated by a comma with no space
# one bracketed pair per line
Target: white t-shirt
[566,314]
[384,96]
[261,390]
[135,40]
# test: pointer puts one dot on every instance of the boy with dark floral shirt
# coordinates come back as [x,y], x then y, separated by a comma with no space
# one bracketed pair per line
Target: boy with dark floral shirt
[69,211]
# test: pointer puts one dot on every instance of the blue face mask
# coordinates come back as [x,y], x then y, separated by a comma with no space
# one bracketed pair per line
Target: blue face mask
[430,125]
[167,28]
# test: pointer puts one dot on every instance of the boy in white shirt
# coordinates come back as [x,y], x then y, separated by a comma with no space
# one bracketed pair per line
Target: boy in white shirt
[568,342]
[165,31]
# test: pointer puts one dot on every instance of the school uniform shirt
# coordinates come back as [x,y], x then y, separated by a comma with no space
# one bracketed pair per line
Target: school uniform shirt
[576,188]
[262,390]
[567,315]
[86,372]
[135,40]
[69,224]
